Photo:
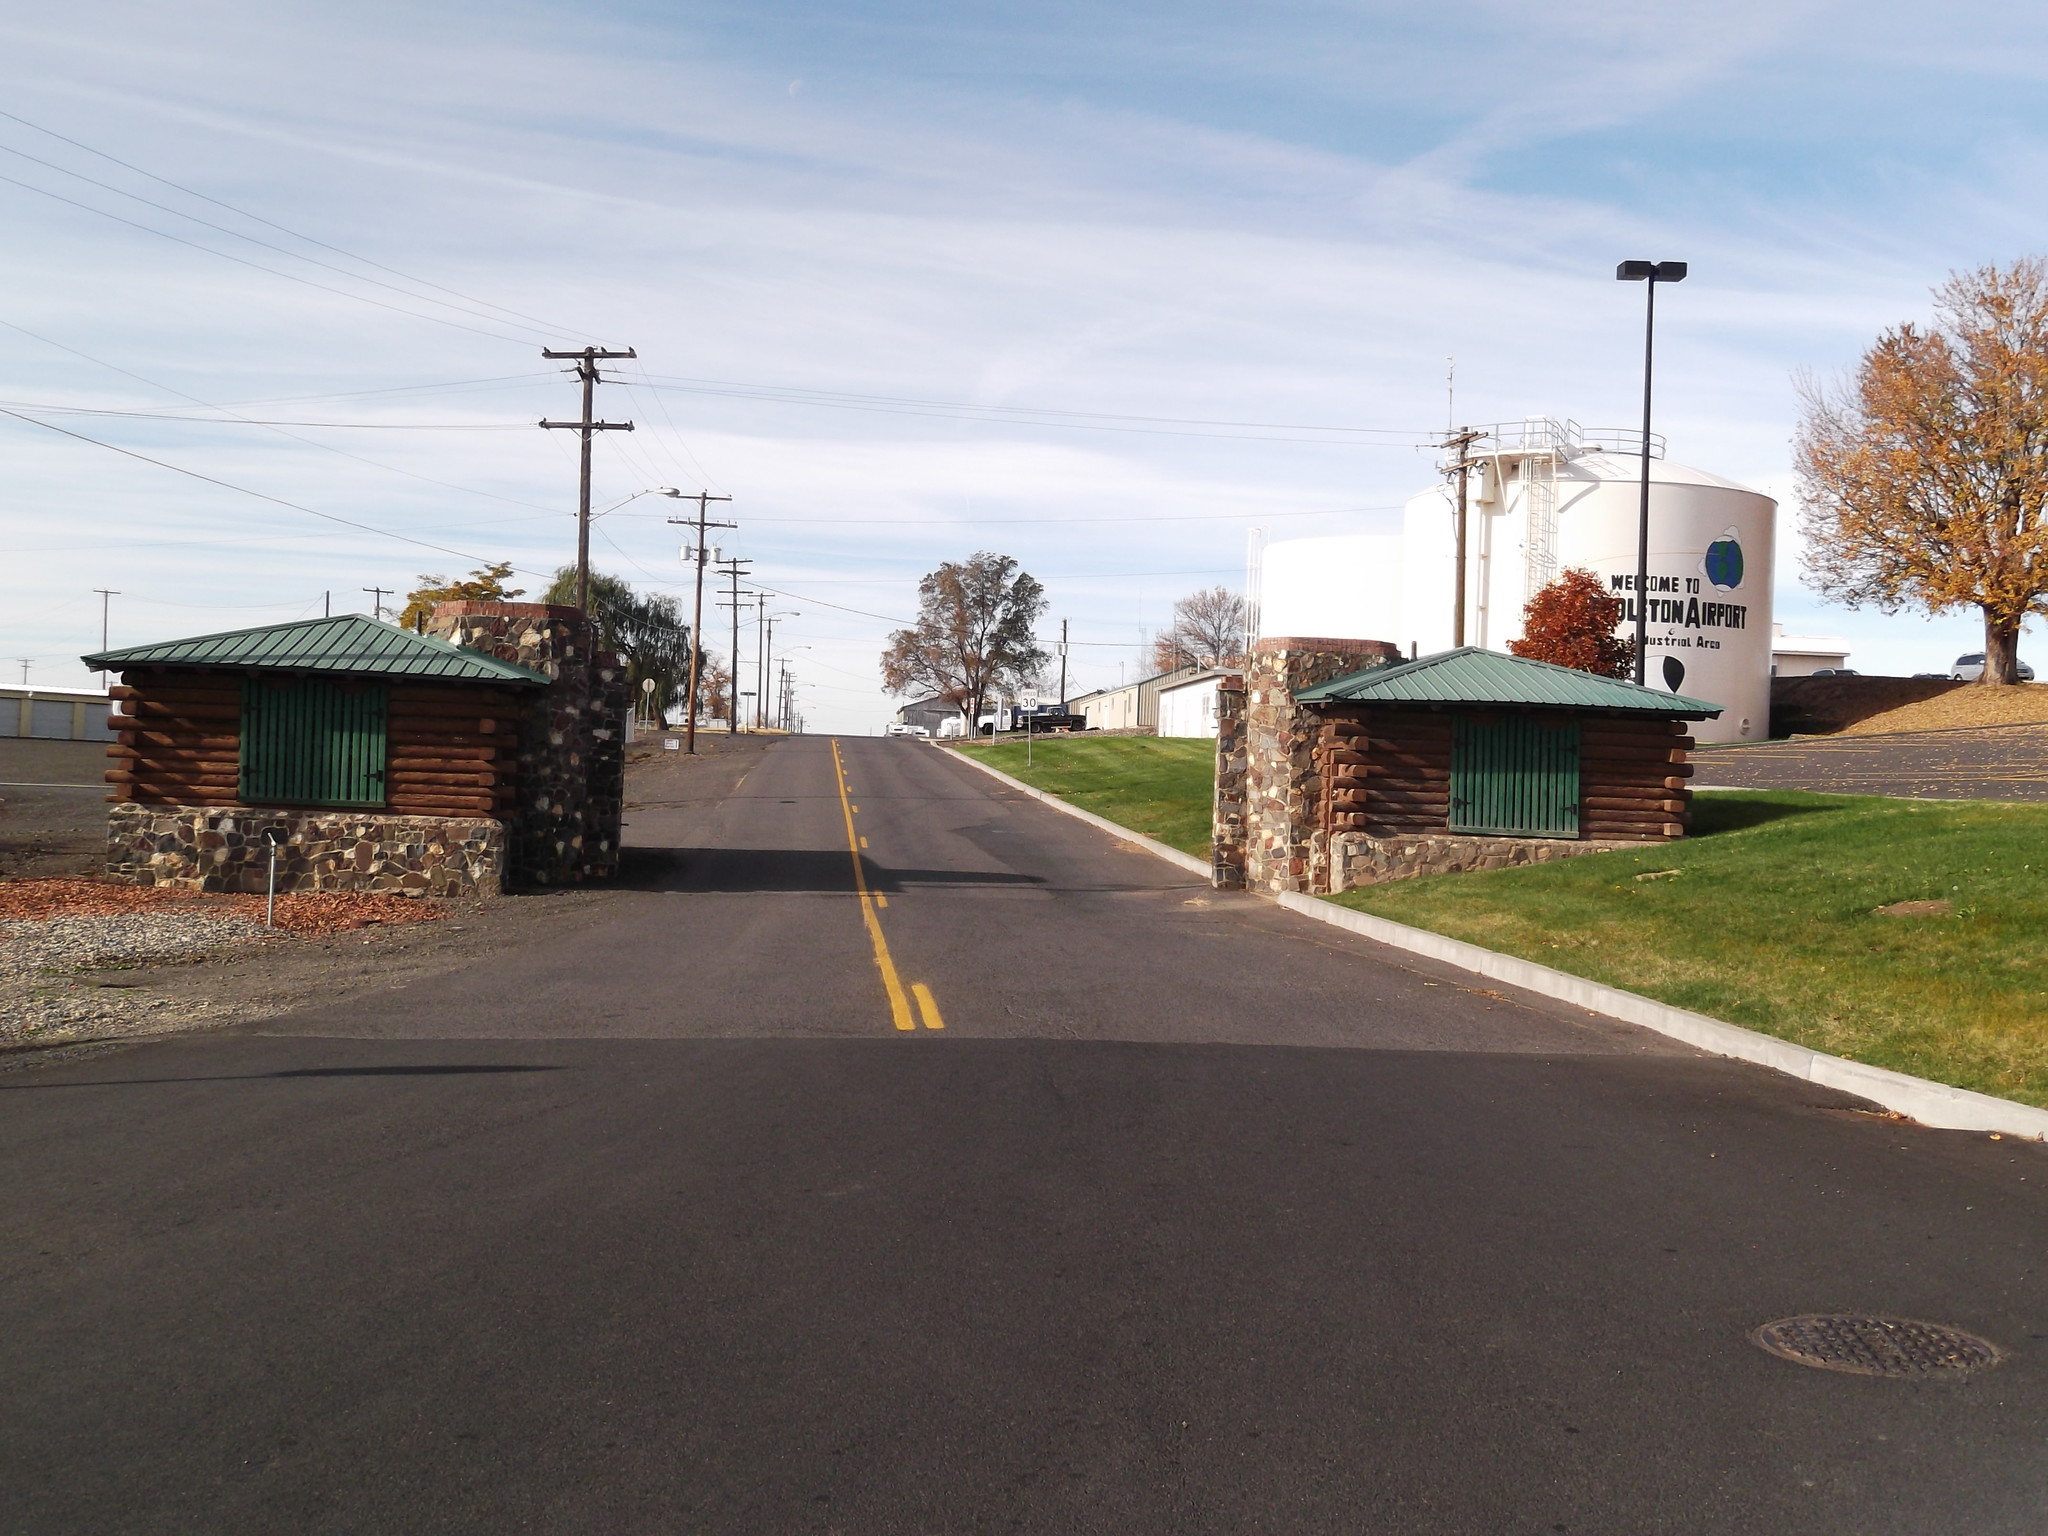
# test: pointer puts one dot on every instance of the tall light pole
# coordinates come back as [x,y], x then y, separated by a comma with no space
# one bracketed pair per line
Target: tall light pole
[106,596]
[1650,274]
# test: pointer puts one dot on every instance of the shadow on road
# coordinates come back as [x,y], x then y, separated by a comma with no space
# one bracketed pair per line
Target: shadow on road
[448,1069]
[738,871]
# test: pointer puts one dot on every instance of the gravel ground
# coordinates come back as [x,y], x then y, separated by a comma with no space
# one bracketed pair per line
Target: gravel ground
[71,977]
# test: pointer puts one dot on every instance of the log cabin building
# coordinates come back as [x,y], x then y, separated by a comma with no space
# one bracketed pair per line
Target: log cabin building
[458,762]
[1339,765]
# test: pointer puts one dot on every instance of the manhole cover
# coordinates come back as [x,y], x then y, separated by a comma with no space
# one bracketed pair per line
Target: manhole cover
[1876,1346]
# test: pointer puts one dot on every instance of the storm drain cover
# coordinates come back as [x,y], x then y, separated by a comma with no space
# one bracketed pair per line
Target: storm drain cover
[1876,1346]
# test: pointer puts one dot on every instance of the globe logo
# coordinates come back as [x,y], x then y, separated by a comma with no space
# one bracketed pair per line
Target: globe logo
[1723,564]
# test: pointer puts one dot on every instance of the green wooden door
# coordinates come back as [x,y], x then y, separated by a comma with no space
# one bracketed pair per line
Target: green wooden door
[1515,776]
[312,742]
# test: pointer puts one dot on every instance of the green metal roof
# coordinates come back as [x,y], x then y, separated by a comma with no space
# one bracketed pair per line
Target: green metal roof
[349,644]
[1475,676]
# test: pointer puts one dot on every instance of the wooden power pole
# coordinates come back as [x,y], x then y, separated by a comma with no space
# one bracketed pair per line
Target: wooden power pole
[586,369]
[1462,440]
[697,554]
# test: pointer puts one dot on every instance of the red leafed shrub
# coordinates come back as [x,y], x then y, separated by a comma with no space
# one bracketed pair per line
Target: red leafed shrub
[1570,623]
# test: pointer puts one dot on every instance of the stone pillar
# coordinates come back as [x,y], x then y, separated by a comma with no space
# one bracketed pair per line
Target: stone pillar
[571,745]
[1227,836]
[1285,843]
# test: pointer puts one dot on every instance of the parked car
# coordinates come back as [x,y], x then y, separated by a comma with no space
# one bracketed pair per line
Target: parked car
[1970,669]
[898,728]
[1834,672]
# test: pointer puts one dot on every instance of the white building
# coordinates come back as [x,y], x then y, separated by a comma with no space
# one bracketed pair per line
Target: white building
[1189,708]
[1543,496]
[1804,655]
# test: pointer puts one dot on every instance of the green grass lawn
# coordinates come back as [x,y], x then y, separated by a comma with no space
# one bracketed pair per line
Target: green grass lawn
[1769,921]
[1160,786]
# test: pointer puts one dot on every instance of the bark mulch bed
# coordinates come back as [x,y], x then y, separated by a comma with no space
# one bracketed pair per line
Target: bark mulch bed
[303,913]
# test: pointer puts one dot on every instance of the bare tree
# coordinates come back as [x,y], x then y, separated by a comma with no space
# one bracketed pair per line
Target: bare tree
[1207,630]
[973,633]
[1922,480]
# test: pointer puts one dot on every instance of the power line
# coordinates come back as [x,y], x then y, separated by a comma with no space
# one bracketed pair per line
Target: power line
[1028,415]
[236,234]
[273,224]
[445,485]
[242,261]
[228,485]
[251,421]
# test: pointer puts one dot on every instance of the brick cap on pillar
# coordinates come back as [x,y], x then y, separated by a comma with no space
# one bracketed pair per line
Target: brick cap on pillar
[1324,643]
[484,610]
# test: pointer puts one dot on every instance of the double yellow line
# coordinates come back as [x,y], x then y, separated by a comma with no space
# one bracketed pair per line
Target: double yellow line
[899,1003]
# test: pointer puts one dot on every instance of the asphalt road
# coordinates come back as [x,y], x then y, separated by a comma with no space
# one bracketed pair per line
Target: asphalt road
[1991,762]
[1191,1217]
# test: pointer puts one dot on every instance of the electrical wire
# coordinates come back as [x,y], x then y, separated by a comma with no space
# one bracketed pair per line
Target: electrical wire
[250,421]
[1030,415]
[236,234]
[242,261]
[468,490]
[228,485]
[282,229]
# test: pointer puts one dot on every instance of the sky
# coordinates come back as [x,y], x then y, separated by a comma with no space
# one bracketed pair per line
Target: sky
[1101,287]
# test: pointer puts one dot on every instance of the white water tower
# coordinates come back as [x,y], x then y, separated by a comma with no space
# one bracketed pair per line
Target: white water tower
[1544,496]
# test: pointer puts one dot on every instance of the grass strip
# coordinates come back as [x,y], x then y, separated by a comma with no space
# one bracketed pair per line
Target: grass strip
[1767,917]
[1160,786]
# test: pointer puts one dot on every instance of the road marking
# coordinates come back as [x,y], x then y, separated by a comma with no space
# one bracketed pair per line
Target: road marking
[863,842]
[899,1005]
[926,1006]
[881,901]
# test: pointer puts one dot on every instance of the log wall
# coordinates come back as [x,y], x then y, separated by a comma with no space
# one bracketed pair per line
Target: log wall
[1387,773]
[452,748]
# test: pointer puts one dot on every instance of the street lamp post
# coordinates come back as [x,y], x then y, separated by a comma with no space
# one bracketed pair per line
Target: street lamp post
[1650,274]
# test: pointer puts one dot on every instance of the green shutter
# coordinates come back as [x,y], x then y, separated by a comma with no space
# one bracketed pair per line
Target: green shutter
[312,742]
[1515,776]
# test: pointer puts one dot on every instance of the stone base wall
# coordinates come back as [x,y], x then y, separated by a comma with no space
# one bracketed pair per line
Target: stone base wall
[201,848]
[1358,859]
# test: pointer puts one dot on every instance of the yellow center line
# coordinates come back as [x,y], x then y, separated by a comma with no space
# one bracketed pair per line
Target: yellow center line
[927,1007]
[899,1005]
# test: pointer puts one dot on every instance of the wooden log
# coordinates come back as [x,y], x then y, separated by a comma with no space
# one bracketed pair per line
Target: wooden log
[397,781]
[473,808]
[1344,757]
[142,740]
[1633,803]
[1344,726]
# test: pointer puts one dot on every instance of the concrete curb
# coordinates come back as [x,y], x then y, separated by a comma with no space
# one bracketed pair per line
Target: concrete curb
[1932,1104]
[1186,861]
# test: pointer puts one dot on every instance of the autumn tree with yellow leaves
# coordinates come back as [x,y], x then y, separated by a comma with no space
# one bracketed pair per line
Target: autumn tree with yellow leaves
[1922,479]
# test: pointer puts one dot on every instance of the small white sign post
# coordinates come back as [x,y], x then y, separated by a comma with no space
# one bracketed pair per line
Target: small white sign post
[1029,701]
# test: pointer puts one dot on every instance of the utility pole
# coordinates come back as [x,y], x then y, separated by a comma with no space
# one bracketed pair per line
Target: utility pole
[1063,666]
[105,595]
[377,598]
[1461,440]
[768,659]
[733,571]
[586,369]
[697,554]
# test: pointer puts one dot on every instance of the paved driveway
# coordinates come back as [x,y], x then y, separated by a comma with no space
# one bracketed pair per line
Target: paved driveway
[1166,1212]
[2003,762]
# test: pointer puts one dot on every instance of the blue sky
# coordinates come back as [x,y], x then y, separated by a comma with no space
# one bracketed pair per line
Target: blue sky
[826,228]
